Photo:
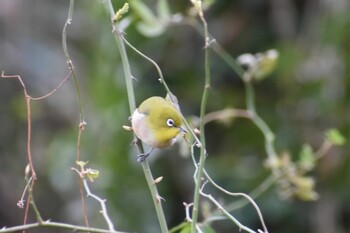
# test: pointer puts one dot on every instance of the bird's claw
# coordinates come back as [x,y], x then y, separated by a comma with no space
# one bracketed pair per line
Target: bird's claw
[142,157]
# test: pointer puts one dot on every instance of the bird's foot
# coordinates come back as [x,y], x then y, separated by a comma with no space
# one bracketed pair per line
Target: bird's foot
[142,157]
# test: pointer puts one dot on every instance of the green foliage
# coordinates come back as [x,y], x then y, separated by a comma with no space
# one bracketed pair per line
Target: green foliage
[307,158]
[185,227]
[261,65]
[335,137]
[150,24]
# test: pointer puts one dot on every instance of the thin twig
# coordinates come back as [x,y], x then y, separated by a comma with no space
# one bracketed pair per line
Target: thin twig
[29,131]
[265,185]
[240,225]
[324,148]
[81,190]
[82,123]
[25,218]
[29,122]
[49,224]
[82,175]
[203,153]
[247,197]
[262,125]
[55,89]
[226,113]
[68,59]
[31,182]
[102,203]
[33,204]
[20,203]
[187,211]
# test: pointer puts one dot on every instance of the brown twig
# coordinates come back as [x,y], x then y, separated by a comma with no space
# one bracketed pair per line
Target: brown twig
[26,213]
[55,89]
[28,98]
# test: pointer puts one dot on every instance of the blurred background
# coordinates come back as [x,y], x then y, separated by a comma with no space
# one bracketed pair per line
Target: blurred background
[305,96]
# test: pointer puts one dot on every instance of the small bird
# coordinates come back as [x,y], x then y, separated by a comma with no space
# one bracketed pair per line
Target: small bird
[157,122]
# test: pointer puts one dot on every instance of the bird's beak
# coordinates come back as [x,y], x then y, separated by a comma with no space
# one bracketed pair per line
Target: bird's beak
[183,129]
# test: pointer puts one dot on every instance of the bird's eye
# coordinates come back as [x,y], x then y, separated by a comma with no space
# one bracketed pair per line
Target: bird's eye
[170,122]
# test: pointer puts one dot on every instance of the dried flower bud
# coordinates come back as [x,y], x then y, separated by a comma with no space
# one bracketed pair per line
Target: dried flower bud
[128,128]
[158,180]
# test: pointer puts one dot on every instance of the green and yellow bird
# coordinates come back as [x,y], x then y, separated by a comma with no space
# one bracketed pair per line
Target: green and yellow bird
[157,122]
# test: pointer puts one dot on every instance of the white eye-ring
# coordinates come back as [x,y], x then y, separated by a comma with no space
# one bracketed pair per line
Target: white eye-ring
[170,122]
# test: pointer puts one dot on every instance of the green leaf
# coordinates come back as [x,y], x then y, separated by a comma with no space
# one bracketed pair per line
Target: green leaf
[335,137]
[208,229]
[187,229]
[92,174]
[184,227]
[266,64]
[307,157]
[81,163]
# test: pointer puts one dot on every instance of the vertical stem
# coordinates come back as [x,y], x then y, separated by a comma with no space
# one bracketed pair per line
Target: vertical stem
[124,57]
[132,105]
[246,77]
[80,102]
[155,196]
[33,204]
[69,61]
[250,98]
[203,153]
[29,134]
